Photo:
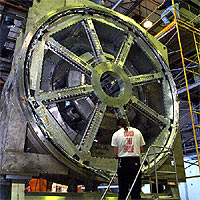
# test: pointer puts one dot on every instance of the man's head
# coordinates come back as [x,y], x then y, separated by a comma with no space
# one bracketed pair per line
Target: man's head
[122,123]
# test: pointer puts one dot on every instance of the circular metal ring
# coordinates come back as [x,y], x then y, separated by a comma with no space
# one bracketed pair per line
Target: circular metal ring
[124,95]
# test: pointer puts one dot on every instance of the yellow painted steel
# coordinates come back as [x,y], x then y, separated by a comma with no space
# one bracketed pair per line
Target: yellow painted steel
[188,27]
[195,31]
[186,80]
[196,46]
[165,29]
[150,14]
[160,19]
[194,18]
[175,15]
[188,93]
[193,72]
[198,113]
[192,61]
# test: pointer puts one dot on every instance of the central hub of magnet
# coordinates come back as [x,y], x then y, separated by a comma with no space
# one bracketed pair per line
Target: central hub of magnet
[111,84]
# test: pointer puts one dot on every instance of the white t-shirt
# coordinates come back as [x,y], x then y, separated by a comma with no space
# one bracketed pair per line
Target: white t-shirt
[128,142]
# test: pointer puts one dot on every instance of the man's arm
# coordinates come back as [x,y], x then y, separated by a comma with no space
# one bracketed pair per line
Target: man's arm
[116,151]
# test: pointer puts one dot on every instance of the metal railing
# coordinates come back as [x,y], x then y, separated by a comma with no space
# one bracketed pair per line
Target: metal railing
[169,150]
[160,18]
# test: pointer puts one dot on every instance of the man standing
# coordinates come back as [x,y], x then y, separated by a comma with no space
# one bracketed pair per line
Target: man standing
[128,144]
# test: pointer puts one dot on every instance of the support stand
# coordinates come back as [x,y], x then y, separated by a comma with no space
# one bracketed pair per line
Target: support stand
[18,191]
[18,186]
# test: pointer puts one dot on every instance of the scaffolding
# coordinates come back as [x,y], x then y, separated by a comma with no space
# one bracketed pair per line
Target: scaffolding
[184,26]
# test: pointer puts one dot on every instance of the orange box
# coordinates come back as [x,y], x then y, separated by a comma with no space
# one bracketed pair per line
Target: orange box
[35,185]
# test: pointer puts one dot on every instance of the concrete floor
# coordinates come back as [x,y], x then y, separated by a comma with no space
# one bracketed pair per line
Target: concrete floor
[68,196]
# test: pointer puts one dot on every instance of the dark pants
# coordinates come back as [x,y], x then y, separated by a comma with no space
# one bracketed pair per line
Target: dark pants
[127,170]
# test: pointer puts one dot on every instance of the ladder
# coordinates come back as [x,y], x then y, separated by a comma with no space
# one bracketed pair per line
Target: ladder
[151,151]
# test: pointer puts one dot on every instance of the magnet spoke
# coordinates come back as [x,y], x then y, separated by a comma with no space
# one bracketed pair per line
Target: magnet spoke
[124,51]
[92,128]
[64,94]
[68,56]
[94,40]
[36,65]
[145,78]
[149,112]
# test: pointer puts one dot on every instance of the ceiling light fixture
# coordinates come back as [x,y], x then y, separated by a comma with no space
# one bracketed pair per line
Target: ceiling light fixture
[148,24]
